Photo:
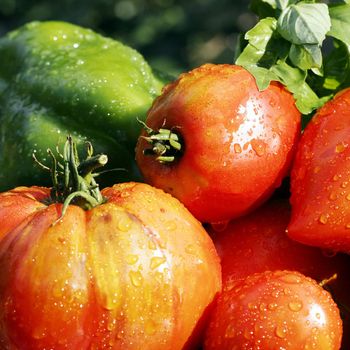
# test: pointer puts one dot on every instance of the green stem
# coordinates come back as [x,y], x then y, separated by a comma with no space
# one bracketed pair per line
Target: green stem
[74,181]
[166,145]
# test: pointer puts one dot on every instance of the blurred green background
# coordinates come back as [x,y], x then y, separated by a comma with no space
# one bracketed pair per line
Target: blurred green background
[174,36]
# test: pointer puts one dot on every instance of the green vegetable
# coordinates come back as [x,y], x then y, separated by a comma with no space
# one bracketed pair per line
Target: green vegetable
[288,45]
[57,79]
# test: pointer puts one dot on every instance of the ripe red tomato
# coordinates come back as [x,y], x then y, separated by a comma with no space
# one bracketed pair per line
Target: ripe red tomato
[258,242]
[135,272]
[236,142]
[274,310]
[320,178]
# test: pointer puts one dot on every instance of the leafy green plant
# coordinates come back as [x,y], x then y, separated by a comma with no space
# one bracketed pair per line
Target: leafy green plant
[302,44]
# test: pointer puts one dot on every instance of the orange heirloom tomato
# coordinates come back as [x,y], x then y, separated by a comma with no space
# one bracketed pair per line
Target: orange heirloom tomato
[218,144]
[135,272]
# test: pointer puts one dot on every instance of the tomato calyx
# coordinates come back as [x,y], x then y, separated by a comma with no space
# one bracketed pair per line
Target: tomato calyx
[166,144]
[74,180]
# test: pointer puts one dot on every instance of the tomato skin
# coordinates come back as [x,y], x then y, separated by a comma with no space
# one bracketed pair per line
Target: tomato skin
[274,310]
[320,179]
[238,142]
[258,242]
[124,275]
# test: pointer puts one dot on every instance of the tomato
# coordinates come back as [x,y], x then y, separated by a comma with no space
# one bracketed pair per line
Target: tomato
[320,178]
[138,271]
[258,242]
[274,310]
[218,144]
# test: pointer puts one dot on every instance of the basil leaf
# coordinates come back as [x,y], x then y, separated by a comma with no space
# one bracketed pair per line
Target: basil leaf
[261,33]
[304,23]
[262,51]
[340,20]
[294,79]
[306,56]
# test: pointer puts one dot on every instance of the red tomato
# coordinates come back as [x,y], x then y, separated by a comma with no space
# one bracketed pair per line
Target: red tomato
[258,242]
[135,272]
[320,180]
[274,310]
[237,142]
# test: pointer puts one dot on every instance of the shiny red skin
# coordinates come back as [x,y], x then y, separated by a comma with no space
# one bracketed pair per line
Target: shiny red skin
[238,141]
[274,310]
[320,179]
[258,242]
[137,272]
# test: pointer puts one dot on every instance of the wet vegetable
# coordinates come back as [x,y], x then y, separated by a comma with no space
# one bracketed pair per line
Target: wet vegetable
[57,79]
[274,310]
[134,270]
[217,143]
[320,179]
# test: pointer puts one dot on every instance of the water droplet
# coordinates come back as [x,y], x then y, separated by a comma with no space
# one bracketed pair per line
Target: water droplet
[136,278]
[170,225]
[272,306]
[280,331]
[150,327]
[152,245]
[291,278]
[230,331]
[131,259]
[124,224]
[247,334]
[190,249]
[317,169]
[340,147]
[323,219]
[295,306]
[259,147]
[237,148]
[348,197]
[336,177]
[157,261]
[333,196]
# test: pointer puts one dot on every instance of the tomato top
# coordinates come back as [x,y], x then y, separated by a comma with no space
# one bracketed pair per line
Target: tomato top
[237,141]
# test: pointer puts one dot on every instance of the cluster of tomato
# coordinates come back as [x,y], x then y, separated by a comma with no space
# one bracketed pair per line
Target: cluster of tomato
[138,270]
[280,259]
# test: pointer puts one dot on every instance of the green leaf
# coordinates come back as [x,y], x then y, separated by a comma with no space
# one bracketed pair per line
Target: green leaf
[340,20]
[264,47]
[306,99]
[261,34]
[306,56]
[337,67]
[304,23]
[262,51]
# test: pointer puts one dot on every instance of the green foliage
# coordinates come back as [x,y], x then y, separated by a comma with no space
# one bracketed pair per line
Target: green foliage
[289,46]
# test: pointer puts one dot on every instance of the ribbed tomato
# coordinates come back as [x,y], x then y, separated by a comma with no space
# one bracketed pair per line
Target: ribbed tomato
[136,272]
[217,143]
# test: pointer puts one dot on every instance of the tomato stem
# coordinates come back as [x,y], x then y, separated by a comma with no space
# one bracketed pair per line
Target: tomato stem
[166,144]
[74,180]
